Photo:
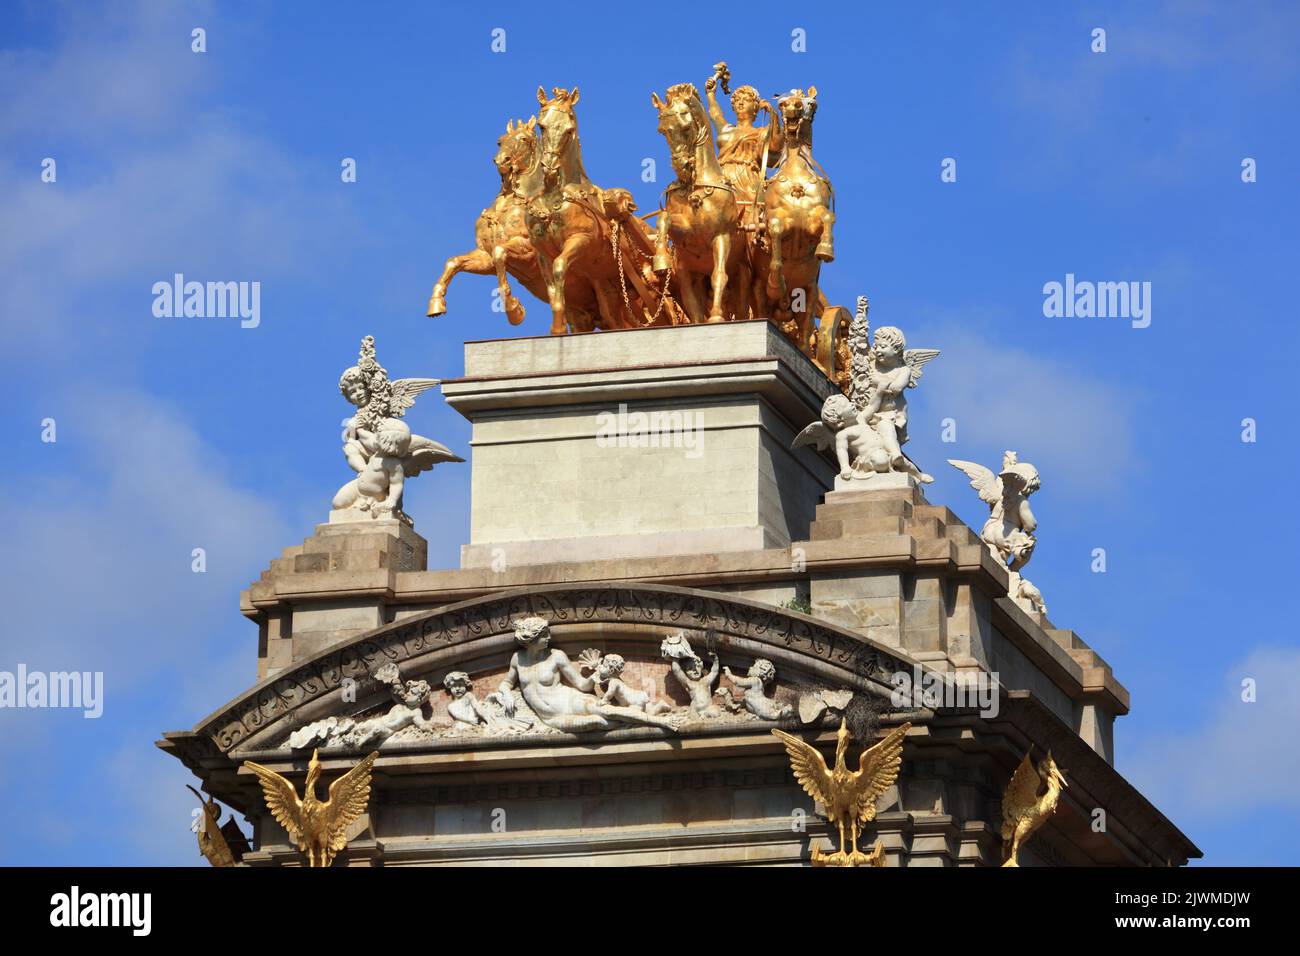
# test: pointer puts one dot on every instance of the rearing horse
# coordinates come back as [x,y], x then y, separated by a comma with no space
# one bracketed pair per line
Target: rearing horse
[701,214]
[798,203]
[501,234]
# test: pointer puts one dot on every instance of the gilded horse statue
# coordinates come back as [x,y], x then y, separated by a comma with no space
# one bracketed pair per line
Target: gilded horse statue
[798,205]
[502,246]
[701,215]
[577,228]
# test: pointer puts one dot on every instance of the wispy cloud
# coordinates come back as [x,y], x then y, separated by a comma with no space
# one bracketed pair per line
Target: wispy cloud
[1066,420]
[1238,758]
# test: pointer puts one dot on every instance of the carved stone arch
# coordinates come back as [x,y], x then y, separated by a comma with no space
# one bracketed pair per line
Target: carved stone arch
[266,713]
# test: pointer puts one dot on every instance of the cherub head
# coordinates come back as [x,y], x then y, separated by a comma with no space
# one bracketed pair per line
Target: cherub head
[1023,473]
[838,411]
[355,386]
[763,669]
[393,439]
[457,684]
[416,692]
[611,665]
[888,345]
[744,102]
[533,630]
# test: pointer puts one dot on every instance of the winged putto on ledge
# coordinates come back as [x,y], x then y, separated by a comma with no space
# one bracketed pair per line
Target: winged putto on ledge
[868,428]
[1009,530]
[378,445]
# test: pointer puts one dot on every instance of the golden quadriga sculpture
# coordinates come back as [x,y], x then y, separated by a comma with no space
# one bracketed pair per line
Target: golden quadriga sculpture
[849,796]
[741,233]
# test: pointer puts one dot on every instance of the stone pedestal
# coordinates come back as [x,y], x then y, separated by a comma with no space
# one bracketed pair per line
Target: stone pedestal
[640,443]
[332,587]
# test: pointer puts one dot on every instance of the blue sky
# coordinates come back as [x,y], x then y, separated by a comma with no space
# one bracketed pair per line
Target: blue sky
[182,433]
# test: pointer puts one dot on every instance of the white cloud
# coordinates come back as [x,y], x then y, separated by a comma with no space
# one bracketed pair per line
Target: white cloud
[103,564]
[1070,423]
[1242,757]
[123,67]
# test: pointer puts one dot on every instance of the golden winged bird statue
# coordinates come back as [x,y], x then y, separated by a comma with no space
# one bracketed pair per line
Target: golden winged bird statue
[848,796]
[319,829]
[220,845]
[1024,809]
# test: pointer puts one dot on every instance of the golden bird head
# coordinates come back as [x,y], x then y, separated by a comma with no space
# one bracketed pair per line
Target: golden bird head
[313,775]
[842,738]
[209,804]
[1050,772]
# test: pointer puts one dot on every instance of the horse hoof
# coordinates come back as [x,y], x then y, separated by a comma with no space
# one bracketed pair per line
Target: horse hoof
[437,306]
[826,253]
[716,318]
[514,311]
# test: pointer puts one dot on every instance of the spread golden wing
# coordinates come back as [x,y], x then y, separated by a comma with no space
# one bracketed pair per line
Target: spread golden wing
[348,797]
[1022,792]
[281,800]
[808,766]
[877,771]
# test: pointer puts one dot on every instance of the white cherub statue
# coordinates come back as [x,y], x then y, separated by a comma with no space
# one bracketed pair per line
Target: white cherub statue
[1009,530]
[753,687]
[377,444]
[869,429]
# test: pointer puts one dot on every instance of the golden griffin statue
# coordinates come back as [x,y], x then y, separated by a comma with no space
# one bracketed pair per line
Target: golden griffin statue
[1024,808]
[849,796]
[319,829]
[742,231]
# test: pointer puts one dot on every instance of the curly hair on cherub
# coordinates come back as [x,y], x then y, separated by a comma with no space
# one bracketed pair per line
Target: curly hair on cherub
[838,411]
[890,337]
[456,679]
[763,669]
[611,665]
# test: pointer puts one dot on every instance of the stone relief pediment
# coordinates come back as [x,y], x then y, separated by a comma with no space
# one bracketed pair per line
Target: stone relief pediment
[467,634]
[546,690]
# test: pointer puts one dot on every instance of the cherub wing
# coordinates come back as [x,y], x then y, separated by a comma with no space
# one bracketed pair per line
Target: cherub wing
[404,391]
[816,434]
[281,800]
[348,797]
[877,771]
[1022,791]
[982,479]
[809,767]
[916,360]
[424,454]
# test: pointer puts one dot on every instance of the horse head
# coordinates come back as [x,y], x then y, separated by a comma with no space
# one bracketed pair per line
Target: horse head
[685,125]
[797,110]
[559,126]
[517,150]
